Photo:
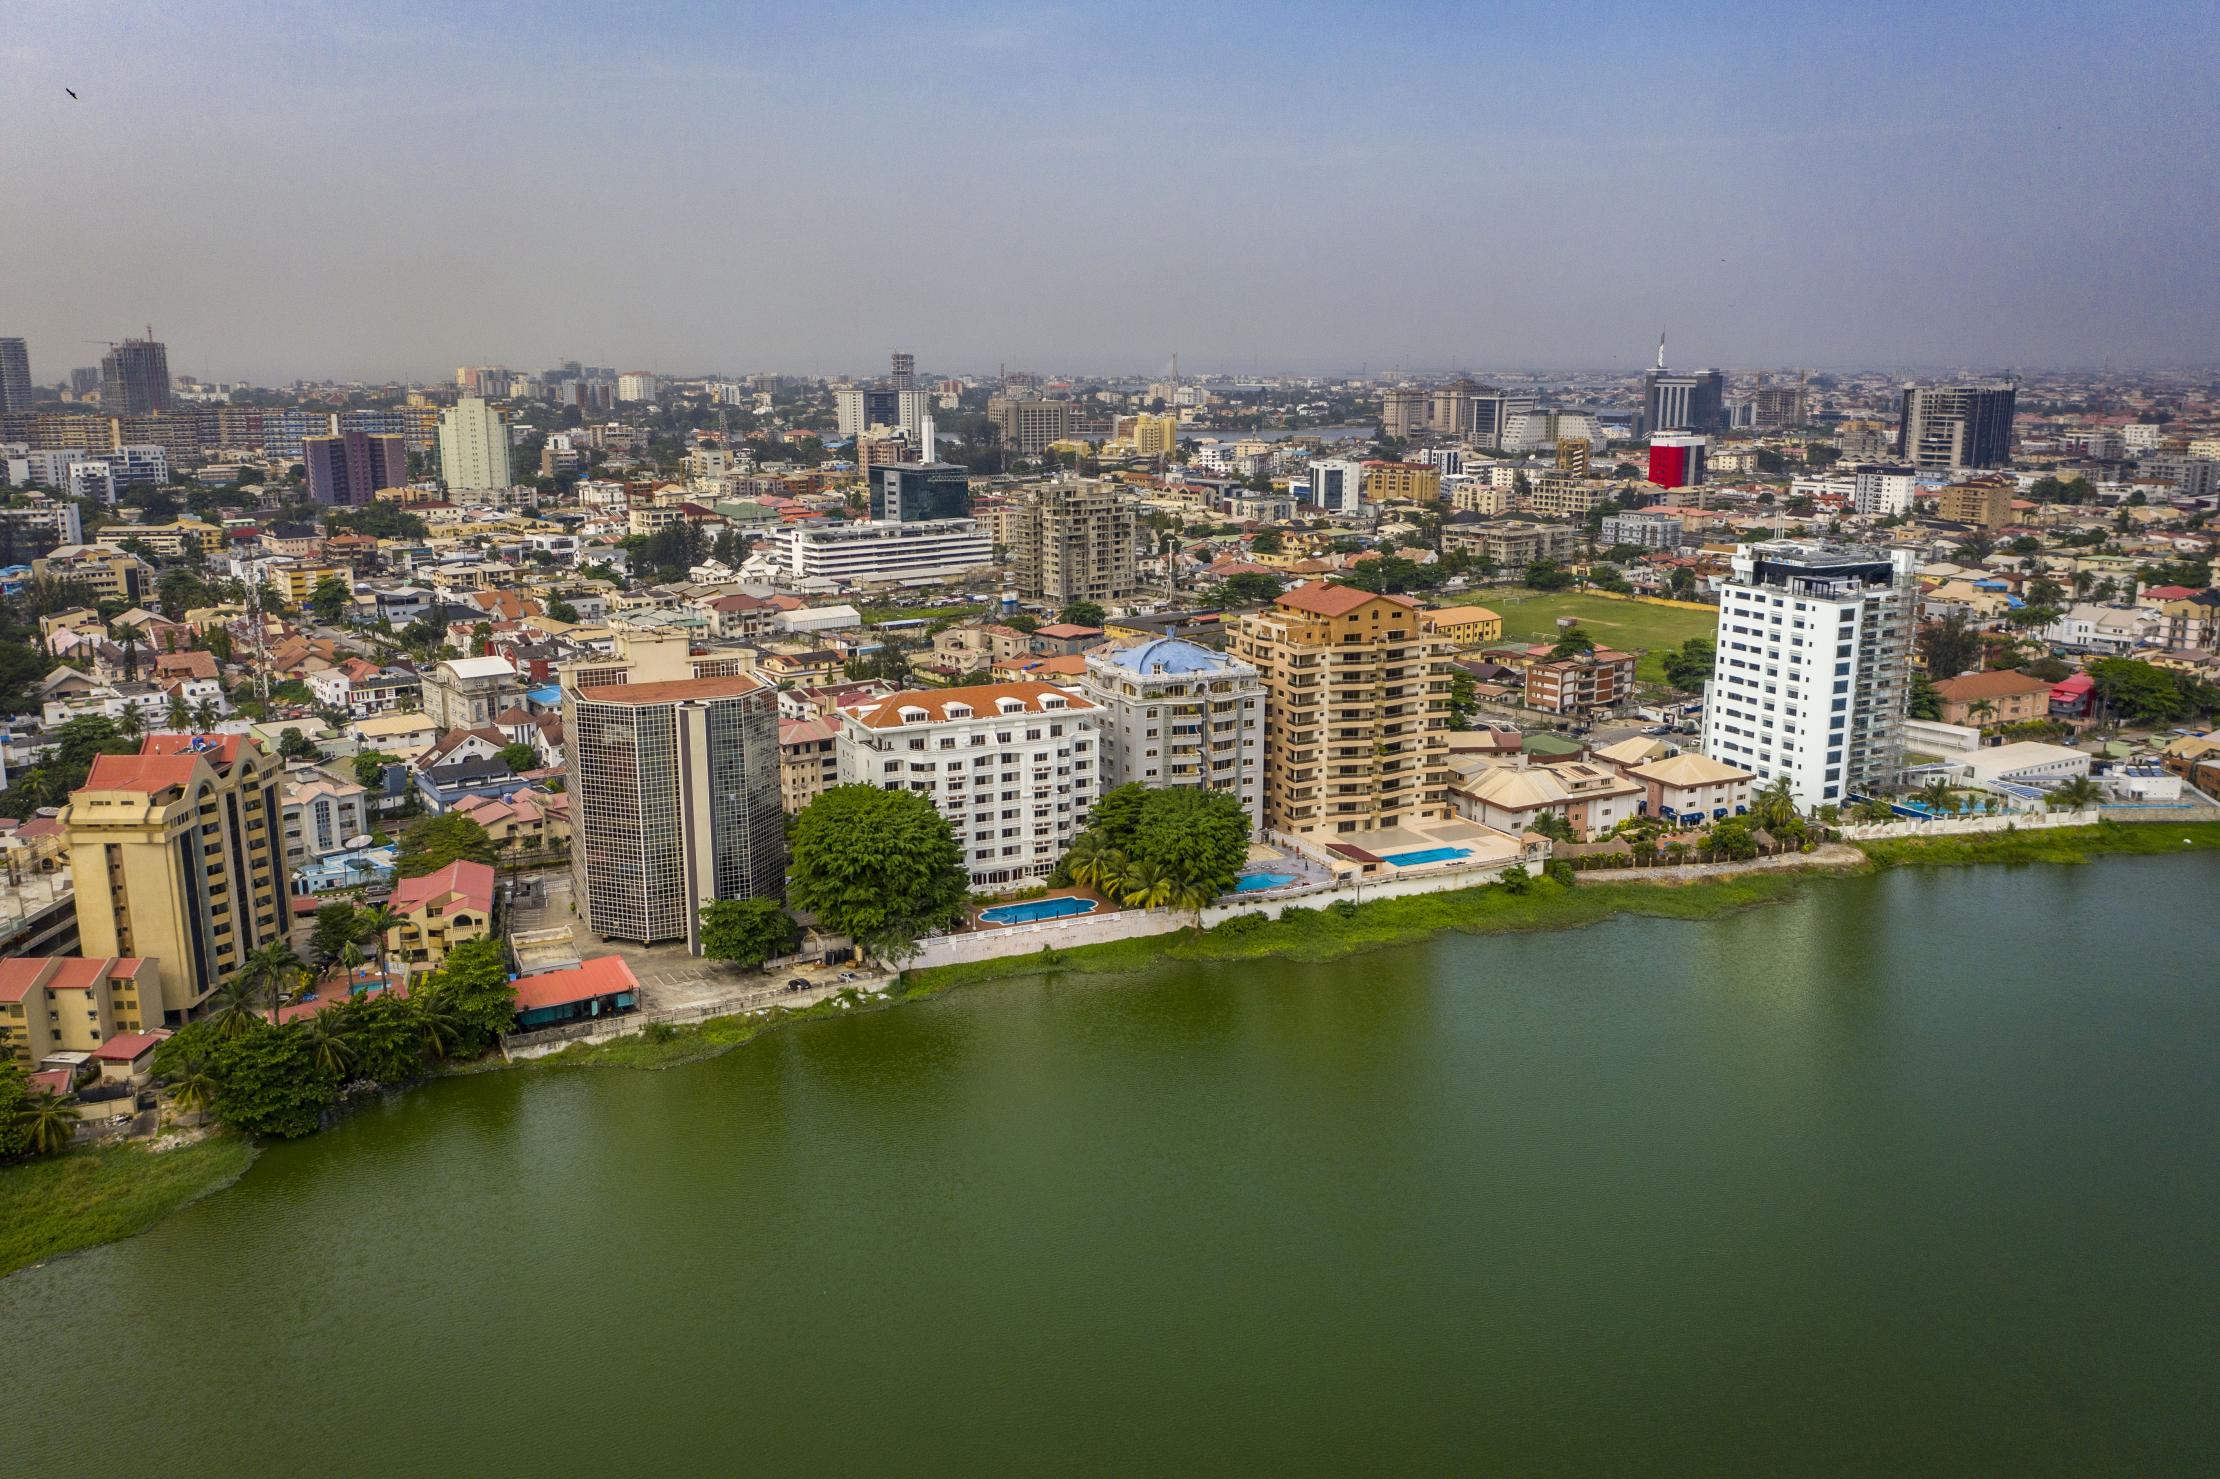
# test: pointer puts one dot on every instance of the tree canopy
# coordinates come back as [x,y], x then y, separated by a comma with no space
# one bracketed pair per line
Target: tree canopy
[1178,845]
[880,866]
[429,844]
[747,932]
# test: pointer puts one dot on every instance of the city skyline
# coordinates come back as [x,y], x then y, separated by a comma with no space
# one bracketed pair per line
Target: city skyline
[1880,189]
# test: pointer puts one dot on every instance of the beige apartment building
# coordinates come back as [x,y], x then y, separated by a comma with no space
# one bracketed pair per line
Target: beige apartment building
[72,1004]
[1356,708]
[1074,539]
[179,857]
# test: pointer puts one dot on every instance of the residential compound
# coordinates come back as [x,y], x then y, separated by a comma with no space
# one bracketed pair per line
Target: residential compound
[1357,691]
[1175,714]
[178,853]
[1813,670]
[673,778]
[1014,767]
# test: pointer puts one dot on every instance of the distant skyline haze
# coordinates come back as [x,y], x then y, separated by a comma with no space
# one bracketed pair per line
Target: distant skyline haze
[355,191]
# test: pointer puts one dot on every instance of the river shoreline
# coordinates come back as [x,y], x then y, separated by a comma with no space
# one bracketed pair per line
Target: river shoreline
[121,1191]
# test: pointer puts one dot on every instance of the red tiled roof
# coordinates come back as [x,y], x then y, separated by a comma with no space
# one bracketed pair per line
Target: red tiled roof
[461,884]
[1324,598]
[146,773]
[125,1046]
[983,699]
[604,975]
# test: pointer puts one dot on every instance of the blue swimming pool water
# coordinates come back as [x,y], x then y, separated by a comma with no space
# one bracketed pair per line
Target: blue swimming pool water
[1032,911]
[1425,855]
[1251,882]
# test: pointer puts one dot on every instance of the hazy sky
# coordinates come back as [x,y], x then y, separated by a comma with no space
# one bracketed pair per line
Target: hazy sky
[377,190]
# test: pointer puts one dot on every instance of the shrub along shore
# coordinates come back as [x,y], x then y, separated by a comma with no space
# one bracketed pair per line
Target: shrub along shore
[74,1201]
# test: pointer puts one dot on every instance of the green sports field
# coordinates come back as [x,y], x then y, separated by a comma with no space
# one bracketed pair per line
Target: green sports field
[1630,626]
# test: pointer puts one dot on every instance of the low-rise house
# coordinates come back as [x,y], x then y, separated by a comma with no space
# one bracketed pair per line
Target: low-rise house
[440,911]
[74,1003]
[2107,630]
[403,732]
[1467,626]
[362,688]
[1999,697]
[1591,798]
[601,987]
[1691,787]
[523,823]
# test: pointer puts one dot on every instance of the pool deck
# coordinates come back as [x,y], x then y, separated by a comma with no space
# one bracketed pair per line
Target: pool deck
[977,919]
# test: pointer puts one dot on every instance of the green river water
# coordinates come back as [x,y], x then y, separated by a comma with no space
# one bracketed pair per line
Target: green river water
[1916,1173]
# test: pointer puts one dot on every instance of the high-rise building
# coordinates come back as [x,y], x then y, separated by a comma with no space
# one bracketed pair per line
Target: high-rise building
[905,491]
[1683,400]
[1012,766]
[1405,412]
[1028,426]
[15,377]
[473,446]
[1948,426]
[636,386]
[1813,675]
[179,855]
[1073,539]
[1336,485]
[1155,436]
[1882,492]
[1574,455]
[1176,714]
[1356,710]
[349,469]
[904,376]
[135,377]
[1983,505]
[1778,407]
[1677,459]
[674,791]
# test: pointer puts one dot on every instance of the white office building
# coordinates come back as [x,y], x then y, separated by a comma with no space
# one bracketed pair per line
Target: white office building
[1336,486]
[918,552]
[636,387]
[1014,767]
[1177,714]
[1813,672]
[473,446]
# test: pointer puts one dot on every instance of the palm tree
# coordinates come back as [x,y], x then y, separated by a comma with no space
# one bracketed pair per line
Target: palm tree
[350,959]
[1146,886]
[1774,805]
[131,723]
[206,715]
[238,1003]
[180,715]
[272,968]
[1979,711]
[48,1125]
[1937,796]
[327,1040]
[2078,794]
[128,639]
[437,1024]
[376,923]
[193,1088]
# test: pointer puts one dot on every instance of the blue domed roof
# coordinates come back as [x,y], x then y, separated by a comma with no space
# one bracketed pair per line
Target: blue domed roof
[1169,655]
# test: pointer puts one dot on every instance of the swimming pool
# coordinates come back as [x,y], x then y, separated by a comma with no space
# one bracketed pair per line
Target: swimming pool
[1425,855]
[1033,911]
[1250,883]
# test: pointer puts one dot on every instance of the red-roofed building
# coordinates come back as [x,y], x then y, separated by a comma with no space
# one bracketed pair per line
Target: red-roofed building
[74,1003]
[601,987]
[440,911]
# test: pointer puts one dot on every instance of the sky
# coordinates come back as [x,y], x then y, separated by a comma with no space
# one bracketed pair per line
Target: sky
[377,191]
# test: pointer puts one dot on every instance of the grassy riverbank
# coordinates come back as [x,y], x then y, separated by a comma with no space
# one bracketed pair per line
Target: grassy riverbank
[63,1203]
[2056,845]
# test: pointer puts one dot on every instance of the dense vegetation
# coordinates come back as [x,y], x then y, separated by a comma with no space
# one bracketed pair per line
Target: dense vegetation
[880,866]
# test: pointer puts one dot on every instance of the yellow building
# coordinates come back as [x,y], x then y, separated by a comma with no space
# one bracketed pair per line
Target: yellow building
[1155,436]
[108,574]
[73,1004]
[1573,454]
[440,911]
[1465,626]
[297,582]
[179,855]
[1404,482]
[171,540]
[1984,505]
[1355,711]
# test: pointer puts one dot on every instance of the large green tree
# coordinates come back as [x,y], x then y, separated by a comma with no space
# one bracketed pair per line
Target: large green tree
[747,932]
[270,1082]
[431,843]
[1176,845]
[880,866]
[473,984]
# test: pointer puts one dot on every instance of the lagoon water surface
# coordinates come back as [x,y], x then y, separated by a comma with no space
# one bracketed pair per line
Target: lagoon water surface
[1916,1173]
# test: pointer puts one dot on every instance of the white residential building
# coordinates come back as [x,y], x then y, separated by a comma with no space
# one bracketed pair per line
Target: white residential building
[1176,714]
[322,816]
[1813,668]
[921,551]
[473,446]
[1884,492]
[636,386]
[1014,767]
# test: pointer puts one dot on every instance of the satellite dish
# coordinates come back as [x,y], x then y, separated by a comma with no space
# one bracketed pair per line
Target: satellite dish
[353,843]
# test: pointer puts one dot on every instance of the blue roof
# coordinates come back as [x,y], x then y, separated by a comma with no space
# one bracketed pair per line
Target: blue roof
[1169,655]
